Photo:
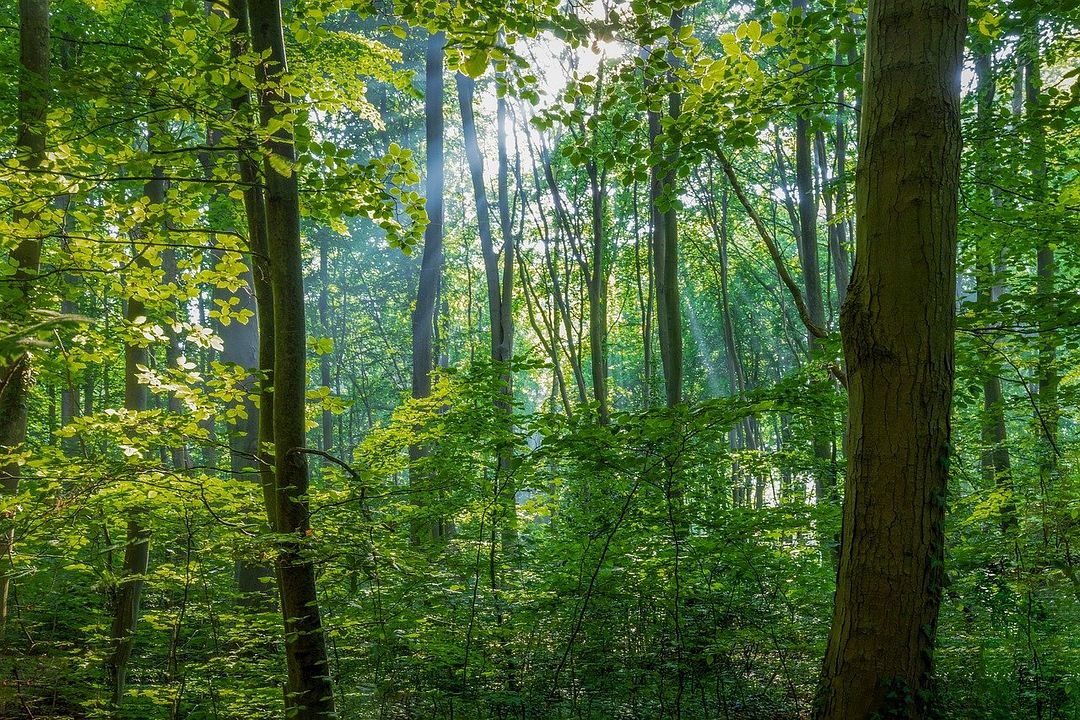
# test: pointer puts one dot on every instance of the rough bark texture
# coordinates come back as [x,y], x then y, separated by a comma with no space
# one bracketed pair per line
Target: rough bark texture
[897,326]
[309,694]
[16,376]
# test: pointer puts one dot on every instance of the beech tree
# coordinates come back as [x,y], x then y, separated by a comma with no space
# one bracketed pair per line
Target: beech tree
[309,693]
[897,325]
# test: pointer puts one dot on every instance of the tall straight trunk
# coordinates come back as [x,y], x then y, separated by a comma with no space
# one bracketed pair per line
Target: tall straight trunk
[645,289]
[255,213]
[824,480]
[996,462]
[431,263]
[598,295]
[837,230]
[841,259]
[325,329]
[665,245]
[897,327]
[309,693]
[128,593]
[1049,414]
[16,376]
[240,346]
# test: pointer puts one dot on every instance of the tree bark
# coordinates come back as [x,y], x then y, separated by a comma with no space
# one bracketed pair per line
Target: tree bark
[897,327]
[255,213]
[16,376]
[325,329]
[665,243]
[1049,413]
[995,460]
[309,694]
[128,593]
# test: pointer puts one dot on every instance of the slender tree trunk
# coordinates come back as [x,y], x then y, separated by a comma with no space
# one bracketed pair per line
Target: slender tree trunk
[258,245]
[324,325]
[996,462]
[128,593]
[665,245]
[897,326]
[598,295]
[16,377]
[1049,413]
[824,479]
[309,695]
[837,233]
[431,263]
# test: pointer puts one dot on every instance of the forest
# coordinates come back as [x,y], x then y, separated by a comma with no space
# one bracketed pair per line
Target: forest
[540,359]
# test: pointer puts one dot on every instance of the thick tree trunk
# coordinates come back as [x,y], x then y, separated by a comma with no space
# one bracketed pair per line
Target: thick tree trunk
[309,694]
[897,327]
[16,376]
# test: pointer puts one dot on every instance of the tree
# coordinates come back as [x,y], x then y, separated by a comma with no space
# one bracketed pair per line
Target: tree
[15,374]
[309,694]
[425,313]
[897,327]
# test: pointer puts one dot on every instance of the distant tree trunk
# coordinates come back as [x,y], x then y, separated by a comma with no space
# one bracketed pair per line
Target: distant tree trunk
[996,462]
[16,376]
[645,291]
[897,326]
[559,291]
[258,245]
[1049,413]
[596,273]
[431,263]
[309,695]
[241,347]
[824,480]
[128,593]
[841,258]
[665,245]
[325,329]
[837,230]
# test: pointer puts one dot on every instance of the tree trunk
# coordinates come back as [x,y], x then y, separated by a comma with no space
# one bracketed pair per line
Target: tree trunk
[1049,414]
[431,263]
[16,377]
[255,212]
[598,295]
[824,480]
[128,593]
[996,462]
[897,326]
[665,244]
[324,327]
[309,694]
